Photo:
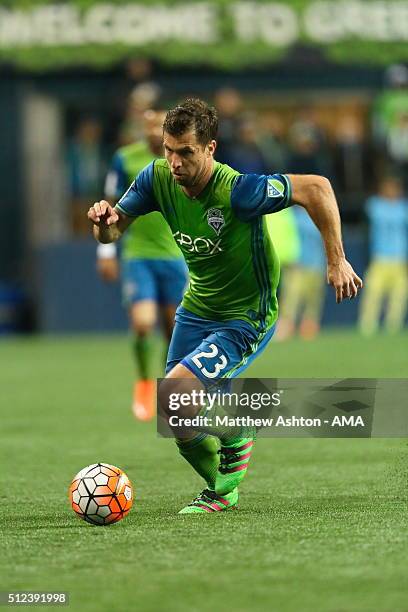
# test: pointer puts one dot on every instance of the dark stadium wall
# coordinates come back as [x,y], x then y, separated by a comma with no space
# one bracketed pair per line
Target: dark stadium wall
[11,200]
[14,311]
[70,296]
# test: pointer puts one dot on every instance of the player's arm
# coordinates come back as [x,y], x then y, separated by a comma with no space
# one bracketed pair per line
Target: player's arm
[109,223]
[254,195]
[315,194]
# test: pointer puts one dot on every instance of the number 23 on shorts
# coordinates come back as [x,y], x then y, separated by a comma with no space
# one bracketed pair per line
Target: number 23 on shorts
[217,365]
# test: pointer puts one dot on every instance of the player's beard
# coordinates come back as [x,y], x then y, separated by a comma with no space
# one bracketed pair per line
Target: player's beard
[187,180]
[184,181]
[191,181]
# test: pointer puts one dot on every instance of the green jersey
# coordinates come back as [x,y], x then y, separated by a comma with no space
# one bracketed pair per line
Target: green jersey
[233,268]
[285,237]
[149,237]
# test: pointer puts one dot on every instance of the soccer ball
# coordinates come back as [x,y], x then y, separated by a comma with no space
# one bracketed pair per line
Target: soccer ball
[101,494]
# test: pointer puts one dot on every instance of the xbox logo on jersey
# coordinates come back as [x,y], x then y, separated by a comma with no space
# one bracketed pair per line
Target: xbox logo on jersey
[201,245]
[216,220]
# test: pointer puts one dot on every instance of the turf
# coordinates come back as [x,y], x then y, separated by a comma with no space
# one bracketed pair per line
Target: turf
[322,524]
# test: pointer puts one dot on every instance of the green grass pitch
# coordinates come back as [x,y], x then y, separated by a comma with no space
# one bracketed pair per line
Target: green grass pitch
[322,524]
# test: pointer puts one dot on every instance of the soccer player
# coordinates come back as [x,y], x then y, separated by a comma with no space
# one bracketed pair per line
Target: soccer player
[154,274]
[229,311]
[303,285]
[387,276]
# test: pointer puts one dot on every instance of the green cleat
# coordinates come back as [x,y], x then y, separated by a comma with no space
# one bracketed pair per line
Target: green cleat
[233,466]
[209,501]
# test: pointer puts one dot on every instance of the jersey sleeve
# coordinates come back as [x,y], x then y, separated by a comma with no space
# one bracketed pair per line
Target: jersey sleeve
[139,198]
[116,181]
[254,195]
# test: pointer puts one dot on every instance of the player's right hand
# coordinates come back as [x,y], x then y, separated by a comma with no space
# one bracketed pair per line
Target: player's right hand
[102,212]
[108,268]
[343,279]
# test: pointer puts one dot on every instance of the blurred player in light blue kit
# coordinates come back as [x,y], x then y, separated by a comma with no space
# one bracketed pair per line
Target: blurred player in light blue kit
[154,274]
[303,283]
[387,279]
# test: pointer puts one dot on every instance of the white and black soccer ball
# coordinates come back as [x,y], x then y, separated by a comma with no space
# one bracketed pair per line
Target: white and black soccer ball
[101,494]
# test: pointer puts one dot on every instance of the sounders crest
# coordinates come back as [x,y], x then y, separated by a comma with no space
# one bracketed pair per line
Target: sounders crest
[215,219]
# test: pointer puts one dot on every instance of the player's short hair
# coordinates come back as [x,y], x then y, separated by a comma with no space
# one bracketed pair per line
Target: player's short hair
[193,115]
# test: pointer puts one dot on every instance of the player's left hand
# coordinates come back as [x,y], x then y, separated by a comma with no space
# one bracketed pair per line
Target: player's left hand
[343,279]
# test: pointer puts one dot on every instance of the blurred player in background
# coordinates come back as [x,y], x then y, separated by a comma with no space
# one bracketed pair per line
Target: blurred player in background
[154,274]
[229,311]
[284,234]
[387,279]
[303,284]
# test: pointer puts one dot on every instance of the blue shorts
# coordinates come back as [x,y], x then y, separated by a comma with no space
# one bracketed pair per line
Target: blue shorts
[160,280]
[214,350]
